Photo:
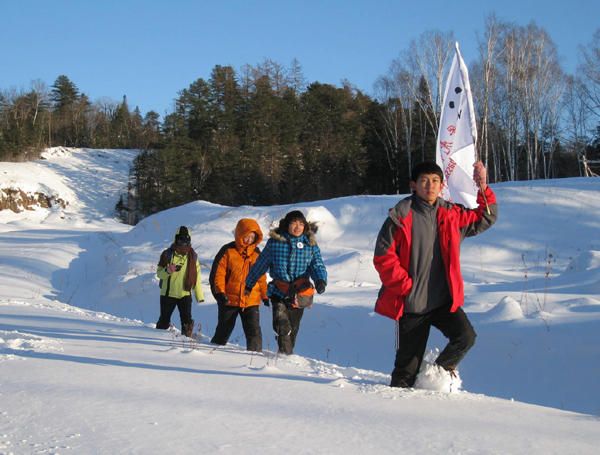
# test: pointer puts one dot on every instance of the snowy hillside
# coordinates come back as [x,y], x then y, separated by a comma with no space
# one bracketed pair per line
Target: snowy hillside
[82,370]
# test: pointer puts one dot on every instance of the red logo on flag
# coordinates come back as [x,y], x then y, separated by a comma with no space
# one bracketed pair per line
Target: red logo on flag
[449,169]
[446,147]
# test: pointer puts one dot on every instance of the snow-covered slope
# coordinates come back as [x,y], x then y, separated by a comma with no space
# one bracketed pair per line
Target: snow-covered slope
[83,371]
[89,180]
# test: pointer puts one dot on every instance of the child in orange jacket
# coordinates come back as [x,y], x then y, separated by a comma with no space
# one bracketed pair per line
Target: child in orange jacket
[227,282]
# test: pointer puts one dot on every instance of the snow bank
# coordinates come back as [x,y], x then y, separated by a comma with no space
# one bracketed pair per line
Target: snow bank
[508,309]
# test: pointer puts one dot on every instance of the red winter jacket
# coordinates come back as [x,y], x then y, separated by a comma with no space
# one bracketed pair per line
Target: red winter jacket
[392,251]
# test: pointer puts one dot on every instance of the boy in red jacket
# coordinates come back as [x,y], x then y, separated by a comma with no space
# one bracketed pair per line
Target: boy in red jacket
[417,255]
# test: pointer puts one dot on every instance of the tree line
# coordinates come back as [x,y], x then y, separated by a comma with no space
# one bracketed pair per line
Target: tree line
[535,121]
[264,135]
[41,117]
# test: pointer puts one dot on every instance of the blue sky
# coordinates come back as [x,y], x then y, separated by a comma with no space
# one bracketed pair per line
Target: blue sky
[149,50]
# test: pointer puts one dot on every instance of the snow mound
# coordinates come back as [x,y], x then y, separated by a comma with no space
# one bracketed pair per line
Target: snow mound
[433,377]
[508,309]
[582,305]
[329,228]
[55,152]
[588,260]
[586,266]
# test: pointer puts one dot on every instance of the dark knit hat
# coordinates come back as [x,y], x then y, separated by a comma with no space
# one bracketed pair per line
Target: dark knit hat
[183,236]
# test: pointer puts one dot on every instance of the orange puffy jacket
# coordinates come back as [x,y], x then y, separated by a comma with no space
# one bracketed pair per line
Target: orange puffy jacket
[231,265]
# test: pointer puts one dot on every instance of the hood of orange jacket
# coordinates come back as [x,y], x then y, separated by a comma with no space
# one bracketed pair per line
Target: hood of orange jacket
[244,227]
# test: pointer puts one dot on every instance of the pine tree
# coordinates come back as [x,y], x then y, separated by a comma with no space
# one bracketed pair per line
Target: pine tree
[193,105]
[262,160]
[150,130]
[64,94]
[120,126]
[333,151]
[67,118]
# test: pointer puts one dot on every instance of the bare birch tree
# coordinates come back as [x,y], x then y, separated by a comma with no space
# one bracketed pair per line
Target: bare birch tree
[527,98]
[484,85]
[589,71]
[431,56]
[576,116]
[395,91]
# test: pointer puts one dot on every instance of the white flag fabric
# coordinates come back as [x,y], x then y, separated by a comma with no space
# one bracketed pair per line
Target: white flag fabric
[455,151]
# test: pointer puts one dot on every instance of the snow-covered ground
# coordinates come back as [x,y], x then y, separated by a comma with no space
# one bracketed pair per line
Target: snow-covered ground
[82,370]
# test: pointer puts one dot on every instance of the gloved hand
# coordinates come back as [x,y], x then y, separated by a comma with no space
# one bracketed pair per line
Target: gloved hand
[266,302]
[320,286]
[222,299]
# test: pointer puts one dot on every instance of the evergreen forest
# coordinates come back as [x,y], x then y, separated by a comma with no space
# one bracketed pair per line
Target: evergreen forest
[262,134]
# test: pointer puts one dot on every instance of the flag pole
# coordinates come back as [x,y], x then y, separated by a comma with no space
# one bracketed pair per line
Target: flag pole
[479,181]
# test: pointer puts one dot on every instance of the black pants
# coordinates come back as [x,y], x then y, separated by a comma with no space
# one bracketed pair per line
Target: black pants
[286,323]
[167,306]
[413,330]
[250,317]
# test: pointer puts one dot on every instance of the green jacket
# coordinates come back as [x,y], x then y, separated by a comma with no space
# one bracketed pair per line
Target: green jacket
[173,285]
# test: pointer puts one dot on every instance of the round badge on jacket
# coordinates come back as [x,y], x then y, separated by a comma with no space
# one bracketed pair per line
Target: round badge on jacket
[300,245]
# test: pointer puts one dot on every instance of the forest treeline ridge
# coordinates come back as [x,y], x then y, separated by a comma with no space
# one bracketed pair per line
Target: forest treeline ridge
[263,134]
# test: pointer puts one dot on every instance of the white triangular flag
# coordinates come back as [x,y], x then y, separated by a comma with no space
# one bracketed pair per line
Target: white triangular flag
[455,151]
